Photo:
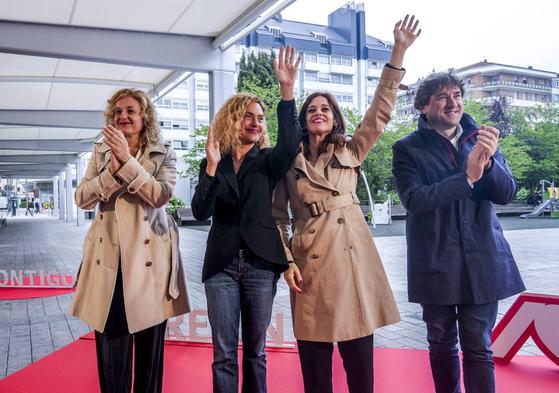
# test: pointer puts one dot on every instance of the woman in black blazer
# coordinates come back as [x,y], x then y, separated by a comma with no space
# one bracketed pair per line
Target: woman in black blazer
[244,253]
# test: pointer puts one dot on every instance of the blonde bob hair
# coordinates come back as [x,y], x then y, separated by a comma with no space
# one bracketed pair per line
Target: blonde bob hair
[227,125]
[151,134]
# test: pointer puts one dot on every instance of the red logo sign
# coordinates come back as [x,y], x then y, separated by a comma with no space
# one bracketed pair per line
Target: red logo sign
[531,315]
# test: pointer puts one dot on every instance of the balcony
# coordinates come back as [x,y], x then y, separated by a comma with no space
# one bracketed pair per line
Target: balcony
[506,83]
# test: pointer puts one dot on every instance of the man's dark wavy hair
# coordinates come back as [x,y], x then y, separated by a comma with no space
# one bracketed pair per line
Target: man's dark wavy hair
[433,83]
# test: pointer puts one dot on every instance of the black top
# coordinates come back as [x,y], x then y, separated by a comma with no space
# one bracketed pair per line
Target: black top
[240,205]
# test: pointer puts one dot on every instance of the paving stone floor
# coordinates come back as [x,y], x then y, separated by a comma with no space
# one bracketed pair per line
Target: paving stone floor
[31,329]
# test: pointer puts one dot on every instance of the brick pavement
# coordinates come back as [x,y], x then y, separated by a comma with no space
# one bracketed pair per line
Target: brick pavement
[31,329]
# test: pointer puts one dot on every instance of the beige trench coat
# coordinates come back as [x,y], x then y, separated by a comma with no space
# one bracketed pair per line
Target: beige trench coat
[346,294]
[131,225]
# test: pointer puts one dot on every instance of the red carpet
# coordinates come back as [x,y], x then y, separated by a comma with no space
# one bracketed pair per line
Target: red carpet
[39,288]
[188,369]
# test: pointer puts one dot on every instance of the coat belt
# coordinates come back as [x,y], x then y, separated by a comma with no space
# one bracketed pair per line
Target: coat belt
[316,208]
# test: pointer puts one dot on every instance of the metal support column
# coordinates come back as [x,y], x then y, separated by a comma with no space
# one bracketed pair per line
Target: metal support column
[69,196]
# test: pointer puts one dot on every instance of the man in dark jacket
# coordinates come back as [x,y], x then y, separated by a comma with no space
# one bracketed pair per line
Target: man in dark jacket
[449,173]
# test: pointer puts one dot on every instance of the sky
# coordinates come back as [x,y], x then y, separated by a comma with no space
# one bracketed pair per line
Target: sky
[458,33]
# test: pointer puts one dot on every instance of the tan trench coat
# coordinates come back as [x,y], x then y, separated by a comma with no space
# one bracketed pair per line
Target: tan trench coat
[346,294]
[132,225]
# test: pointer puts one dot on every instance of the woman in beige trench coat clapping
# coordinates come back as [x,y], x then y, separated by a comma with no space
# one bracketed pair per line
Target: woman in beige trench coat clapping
[131,278]
[340,292]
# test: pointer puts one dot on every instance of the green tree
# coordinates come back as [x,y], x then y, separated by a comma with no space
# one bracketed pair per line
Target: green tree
[500,116]
[256,76]
[193,156]
[378,163]
[478,111]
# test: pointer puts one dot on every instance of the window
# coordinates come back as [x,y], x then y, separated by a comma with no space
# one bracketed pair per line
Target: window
[347,61]
[325,78]
[336,60]
[202,106]
[343,97]
[202,85]
[323,38]
[276,31]
[180,104]
[200,123]
[180,145]
[347,79]
[180,125]
[311,76]
[165,124]
[324,59]
[164,103]
[336,78]
[310,57]
[373,64]
[372,83]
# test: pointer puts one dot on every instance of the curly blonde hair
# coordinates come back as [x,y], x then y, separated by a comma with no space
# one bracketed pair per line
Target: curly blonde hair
[151,134]
[227,122]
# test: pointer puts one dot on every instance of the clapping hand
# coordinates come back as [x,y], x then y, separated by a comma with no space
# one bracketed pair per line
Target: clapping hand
[285,69]
[120,152]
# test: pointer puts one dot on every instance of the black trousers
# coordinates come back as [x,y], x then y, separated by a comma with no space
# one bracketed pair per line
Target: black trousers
[115,347]
[316,364]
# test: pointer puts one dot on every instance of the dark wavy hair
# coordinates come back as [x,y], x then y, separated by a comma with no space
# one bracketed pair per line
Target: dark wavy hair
[433,83]
[338,134]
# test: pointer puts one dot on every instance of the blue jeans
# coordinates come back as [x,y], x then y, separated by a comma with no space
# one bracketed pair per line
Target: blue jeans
[246,288]
[475,323]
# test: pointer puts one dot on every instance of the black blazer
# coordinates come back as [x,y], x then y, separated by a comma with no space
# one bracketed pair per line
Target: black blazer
[240,205]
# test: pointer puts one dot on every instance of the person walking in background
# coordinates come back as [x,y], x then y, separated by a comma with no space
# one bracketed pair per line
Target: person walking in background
[131,279]
[244,254]
[340,292]
[449,173]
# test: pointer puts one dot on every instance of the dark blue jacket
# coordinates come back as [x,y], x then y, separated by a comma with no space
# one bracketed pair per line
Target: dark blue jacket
[457,253]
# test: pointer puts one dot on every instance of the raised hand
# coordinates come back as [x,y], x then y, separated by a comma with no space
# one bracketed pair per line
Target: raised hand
[404,35]
[488,138]
[285,69]
[405,32]
[213,154]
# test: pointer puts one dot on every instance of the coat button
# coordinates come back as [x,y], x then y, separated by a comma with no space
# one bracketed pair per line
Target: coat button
[148,263]
[312,230]
[146,241]
[314,256]
[98,261]
[100,240]
[146,218]
[131,189]
[101,216]
[335,193]
[340,220]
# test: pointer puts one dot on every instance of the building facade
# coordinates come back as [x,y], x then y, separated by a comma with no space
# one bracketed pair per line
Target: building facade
[485,82]
[339,58]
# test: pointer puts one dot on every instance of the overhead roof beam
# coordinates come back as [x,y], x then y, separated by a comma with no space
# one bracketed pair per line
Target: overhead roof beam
[52,118]
[134,48]
[40,158]
[73,145]
[245,24]
[31,167]
[28,174]
[81,81]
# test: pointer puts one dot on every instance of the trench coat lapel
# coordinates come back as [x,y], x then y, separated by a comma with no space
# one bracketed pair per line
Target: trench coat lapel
[105,156]
[148,160]
[226,169]
[315,174]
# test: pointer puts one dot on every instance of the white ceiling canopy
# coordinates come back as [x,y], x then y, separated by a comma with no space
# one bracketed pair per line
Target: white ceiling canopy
[61,59]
